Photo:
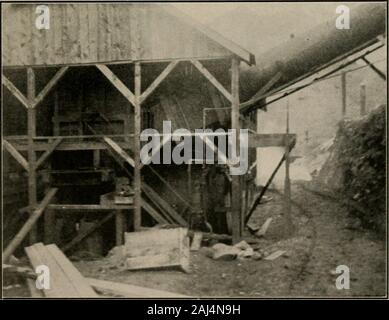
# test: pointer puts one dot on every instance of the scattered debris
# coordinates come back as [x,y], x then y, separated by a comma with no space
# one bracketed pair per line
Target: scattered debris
[225,252]
[262,231]
[275,255]
[243,245]
[257,256]
[245,254]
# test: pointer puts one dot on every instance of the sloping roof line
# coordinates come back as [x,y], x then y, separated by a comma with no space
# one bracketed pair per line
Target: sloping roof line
[210,33]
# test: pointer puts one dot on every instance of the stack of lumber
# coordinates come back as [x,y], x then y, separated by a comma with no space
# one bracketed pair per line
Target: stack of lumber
[65,281]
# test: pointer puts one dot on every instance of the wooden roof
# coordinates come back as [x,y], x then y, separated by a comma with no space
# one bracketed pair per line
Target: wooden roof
[88,33]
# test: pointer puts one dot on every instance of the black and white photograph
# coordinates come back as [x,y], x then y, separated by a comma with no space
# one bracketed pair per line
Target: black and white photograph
[194,150]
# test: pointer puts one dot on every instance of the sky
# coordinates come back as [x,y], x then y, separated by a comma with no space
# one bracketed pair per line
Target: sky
[206,12]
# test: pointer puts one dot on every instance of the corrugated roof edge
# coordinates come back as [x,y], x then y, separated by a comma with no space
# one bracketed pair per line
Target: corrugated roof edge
[244,54]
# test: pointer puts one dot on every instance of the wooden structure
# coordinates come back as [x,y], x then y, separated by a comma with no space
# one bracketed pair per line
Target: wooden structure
[90,84]
[65,279]
[157,248]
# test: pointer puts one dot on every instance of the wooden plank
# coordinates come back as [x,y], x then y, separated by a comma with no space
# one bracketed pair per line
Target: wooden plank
[137,147]
[70,145]
[60,287]
[87,232]
[263,140]
[17,240]
[87,207]
[117,83]
[15,91]
[196,241]
[120,226]
[212,79]
[375,69]
[158,80]
[275,255]
[31,132]
[16,155]
[82,286]
[130,291]
[48,152]
[167,208]
[53,81]
[237,223]
[163,260]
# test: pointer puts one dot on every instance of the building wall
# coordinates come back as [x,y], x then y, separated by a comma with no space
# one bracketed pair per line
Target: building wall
[90,33]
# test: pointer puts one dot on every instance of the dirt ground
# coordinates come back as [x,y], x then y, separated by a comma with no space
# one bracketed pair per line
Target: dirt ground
[323,238]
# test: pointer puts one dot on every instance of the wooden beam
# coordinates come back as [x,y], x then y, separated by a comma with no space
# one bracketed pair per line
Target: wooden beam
[65,280]
[165,206]
[375,69]
[118,150]
[88,207]
[31,132]
[137,164]
[117,83]
[212,79]
[15,91]
[16,155]
[237,221]
[130,291]
[70,145]
[120,226]
[17,240]
[262,140]
[87,232]
[158,81]
[45,91]
[48,152]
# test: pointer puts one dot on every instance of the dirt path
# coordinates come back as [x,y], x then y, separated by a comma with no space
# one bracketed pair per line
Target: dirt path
[336,241]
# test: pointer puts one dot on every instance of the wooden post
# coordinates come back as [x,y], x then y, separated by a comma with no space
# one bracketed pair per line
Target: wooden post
[31,132]
[235,188]
[287,200]
[56,129]
[49,225]
[121,224]
[363,99]
[137,165]
[28,226]
[343,81]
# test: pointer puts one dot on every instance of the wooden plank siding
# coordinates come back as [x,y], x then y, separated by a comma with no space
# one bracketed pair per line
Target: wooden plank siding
[87,33]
